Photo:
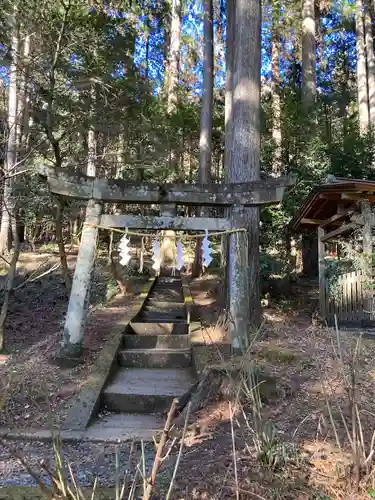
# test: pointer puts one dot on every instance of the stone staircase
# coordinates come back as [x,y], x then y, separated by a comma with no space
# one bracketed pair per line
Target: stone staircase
[154,363]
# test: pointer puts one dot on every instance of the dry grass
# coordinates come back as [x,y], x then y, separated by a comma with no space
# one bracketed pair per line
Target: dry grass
[313,428]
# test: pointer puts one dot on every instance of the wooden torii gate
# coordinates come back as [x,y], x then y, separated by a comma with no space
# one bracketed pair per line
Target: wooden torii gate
[97,191]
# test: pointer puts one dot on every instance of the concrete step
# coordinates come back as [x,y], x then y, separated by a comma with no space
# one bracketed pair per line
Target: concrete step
[161,328]
[163,304]
[142,390]
[156,341]
[160,317]
[170,280]
[166,297]
[125,427]
[167,308]
[155,358]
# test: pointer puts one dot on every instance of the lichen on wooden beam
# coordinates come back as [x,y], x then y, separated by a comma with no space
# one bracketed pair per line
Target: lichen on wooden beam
[75,185]
[175,223]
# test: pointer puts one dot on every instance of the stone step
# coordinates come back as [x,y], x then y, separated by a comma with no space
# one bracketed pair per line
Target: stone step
[161,328]
[168,308]
[156,341]
[162,317]
[155,358]
[166,297]
[156,317]
[142,390]
[166,304]
[125,427]
[169,281]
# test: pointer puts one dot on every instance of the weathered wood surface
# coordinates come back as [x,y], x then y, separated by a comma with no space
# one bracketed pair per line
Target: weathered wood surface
[349,302]
[322,269]
[176,223]
[79,186]
[336,218]
[339,231]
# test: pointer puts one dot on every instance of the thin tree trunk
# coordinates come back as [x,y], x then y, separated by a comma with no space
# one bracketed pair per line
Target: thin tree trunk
[370,64]
[174,56]
[363,108]
[205,141]
[21,104]
[91,149]
[61,244]
[9,283]
[276,103]
[116,275]
[8,208]
[308,55]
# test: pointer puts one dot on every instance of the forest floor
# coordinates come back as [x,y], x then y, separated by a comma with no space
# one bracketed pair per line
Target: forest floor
[35,391]
[288,451]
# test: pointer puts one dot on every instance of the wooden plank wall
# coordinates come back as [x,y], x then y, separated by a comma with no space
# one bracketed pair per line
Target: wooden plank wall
[349,305]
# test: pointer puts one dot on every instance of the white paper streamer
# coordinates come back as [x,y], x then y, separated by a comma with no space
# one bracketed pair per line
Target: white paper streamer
[156,257]
[124,250]
[206,251]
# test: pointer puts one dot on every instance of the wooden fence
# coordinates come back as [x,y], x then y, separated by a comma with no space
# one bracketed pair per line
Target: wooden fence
[352,298]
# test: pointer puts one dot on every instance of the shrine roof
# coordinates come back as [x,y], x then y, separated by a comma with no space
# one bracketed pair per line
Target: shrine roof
[335,195]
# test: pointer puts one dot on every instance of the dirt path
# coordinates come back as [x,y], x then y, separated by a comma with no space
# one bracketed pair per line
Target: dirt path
[34,390]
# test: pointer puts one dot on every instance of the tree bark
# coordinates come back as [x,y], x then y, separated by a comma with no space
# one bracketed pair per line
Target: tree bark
[228,120]
[61,244]
[91,151]
[363,107]
[245,142]
[276,102]
[167,45]
[22,112]
[205,140]
[9,283]
[229,84]
[8,207]
[174,56]
[308,55]
[370,64]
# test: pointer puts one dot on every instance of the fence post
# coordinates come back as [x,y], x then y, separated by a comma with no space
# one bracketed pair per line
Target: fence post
[322,278]
[367,250]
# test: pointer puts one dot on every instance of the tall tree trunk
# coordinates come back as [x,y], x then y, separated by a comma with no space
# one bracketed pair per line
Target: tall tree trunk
[363,107]
[173,74]
[370,64]
[21,104]
[308,55]
[276,102]
[205,140]
[230,14]
[167,45]
[229,85]
[244,163]
[174,55]
[8,208]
